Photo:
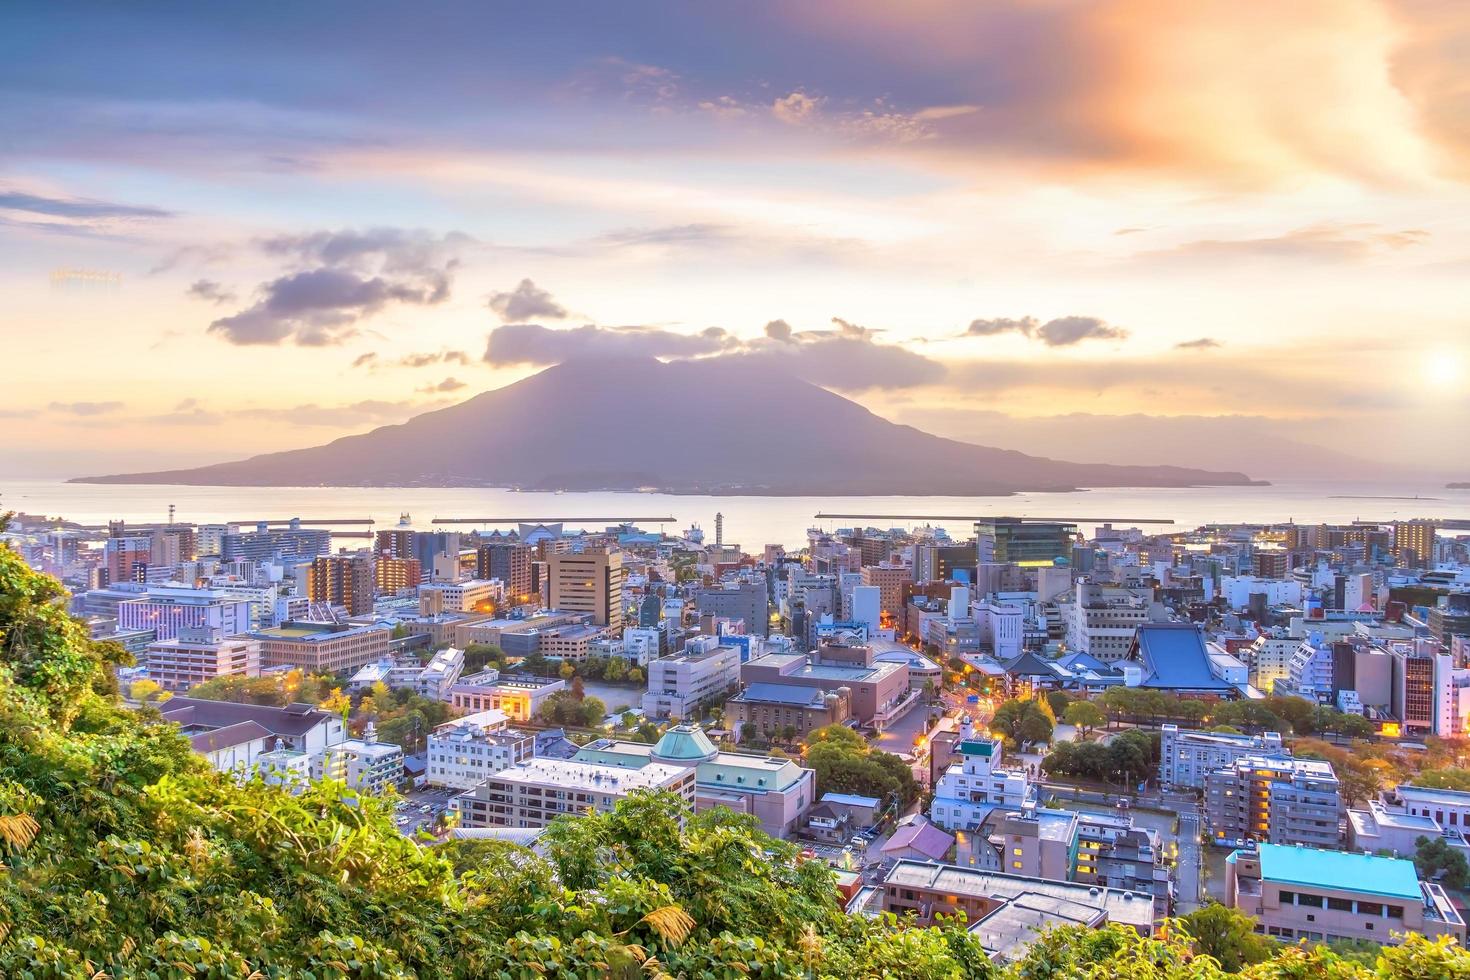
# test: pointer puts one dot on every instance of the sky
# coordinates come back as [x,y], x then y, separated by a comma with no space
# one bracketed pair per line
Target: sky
[1200,232]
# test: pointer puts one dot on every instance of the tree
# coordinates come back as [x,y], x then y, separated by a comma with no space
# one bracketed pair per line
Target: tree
[1085,716]
[1057,701]
[1023,721]
[845,763]
[148,692]
[579,689]
[566,670]
[1437,860]
[635,676]
[1227,935]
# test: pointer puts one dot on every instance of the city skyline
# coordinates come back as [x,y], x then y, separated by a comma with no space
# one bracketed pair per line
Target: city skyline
[999,225]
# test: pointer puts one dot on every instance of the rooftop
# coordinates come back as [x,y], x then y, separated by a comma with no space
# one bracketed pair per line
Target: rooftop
[1342,870]
[851,799]
[586,775]
[792,694]
[1174,657]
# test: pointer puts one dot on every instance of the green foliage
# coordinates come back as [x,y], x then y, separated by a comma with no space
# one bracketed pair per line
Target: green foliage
[478,656]
[1084,715]
[1057,701]
[1228,936]
[1456,779]
[1436,859]
[845,763]
[276,690]
[1021,722]
[565,708]
[1128,758]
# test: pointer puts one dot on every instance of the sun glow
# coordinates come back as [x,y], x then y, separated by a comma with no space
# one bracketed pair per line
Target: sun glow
[1443,367]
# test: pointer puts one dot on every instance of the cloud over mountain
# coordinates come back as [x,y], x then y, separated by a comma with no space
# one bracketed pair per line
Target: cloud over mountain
[526,302]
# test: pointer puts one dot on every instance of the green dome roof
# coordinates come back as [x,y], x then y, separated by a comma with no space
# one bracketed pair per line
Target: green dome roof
[684,744]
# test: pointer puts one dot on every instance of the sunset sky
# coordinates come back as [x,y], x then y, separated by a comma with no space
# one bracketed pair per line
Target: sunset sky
[230,229]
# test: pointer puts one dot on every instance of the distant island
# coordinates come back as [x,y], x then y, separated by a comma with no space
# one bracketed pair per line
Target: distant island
[1462,485]
[693,427]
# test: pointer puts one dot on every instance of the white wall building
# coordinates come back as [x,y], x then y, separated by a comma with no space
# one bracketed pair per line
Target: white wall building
[198,654]
[971,788]
[679,687]
[465,752]
[167,609]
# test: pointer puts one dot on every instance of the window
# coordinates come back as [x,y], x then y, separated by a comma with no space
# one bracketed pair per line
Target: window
[1370,908]
[1340,904]
[1395,911]
[1287,898]
[1310,901]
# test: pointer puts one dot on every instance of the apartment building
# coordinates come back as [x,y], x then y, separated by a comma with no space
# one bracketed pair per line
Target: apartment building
[1275,799]
[536,792]
[978,784]
[201,653]
[1302,893]
[364,764]
[322,648]
[747,601]
[681,686]
[1186,757]
[890,581]
[394,575]
[570,644]
[342,580]
[465,752]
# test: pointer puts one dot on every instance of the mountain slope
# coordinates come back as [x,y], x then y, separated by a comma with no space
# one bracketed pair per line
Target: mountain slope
[684,427]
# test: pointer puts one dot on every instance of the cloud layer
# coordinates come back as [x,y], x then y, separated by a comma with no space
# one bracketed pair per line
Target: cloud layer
[346,277]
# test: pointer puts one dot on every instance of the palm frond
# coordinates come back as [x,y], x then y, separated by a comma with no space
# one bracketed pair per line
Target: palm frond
[670,922]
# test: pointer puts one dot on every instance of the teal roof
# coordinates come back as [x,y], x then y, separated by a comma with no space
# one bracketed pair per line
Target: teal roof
[975,746]
[684,743]
[1367,873]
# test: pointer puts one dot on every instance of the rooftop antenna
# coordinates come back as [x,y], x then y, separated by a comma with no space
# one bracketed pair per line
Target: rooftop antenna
[170,515]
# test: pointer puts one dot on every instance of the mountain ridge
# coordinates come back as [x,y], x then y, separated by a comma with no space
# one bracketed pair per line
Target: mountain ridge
[713,426]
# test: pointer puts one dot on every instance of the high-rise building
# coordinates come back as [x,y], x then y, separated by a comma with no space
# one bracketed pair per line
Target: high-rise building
[393,575]
[890,581]
[1413,543]
[342,580]
[167,610]
[746,601]
[1275,799]
[265,542]
[1020,541]
[510,562]
[590,582]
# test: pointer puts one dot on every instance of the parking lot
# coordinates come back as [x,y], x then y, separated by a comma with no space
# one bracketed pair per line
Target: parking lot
[421,808]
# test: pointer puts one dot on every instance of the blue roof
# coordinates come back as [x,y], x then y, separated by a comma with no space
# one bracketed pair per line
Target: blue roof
[850,799]
[1174,657]
[1368,873]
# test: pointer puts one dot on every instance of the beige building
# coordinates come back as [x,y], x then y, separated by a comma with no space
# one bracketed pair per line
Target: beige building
[1297,893]
[890,580]
[589,582]
[1275,799]
[199,654]
[519,697]
[322,648]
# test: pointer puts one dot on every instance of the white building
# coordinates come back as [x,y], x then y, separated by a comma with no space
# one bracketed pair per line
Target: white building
[537,792]
[167,609]
[364,764]
[679,687]
[1238,589]
[432,680]
[201,653]
[642,644]
[971,788]
[1270,658]
[1186,757]
[1101,621]
[465,752]
[1000,626]
[519,697]
[464,596]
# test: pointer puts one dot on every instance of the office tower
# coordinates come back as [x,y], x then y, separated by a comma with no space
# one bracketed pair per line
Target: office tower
[168,610]
[1022,542]
[890,581]
[264,542]
[342,580]
[590,582]
[510,562]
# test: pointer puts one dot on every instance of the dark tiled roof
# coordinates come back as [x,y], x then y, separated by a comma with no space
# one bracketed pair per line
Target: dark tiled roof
[230,735]
[292,721]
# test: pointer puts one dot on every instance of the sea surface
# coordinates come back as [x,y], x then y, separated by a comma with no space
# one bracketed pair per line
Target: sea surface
[748,521]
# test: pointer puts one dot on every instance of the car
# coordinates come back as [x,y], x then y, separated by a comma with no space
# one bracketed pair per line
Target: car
[1123,804]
